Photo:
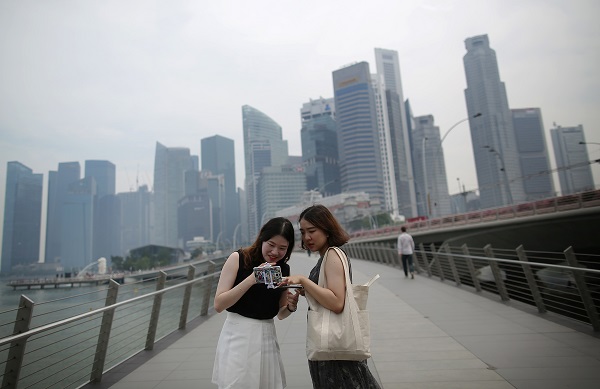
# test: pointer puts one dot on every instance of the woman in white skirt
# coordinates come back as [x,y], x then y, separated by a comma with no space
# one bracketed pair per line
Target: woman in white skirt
[248,353]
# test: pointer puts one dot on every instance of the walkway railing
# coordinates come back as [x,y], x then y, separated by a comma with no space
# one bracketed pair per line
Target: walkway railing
[553,205]
[564,283]
[68,347]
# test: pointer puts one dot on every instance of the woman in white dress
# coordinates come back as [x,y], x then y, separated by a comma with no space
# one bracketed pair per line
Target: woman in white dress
[248,355]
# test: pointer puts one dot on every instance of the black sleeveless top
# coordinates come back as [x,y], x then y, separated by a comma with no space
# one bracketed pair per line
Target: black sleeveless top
[258,302]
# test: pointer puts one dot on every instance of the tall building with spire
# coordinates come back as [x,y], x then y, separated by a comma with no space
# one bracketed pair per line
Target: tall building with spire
[388,68]
[22,217]
[493,138]
[358,132]
[263,147]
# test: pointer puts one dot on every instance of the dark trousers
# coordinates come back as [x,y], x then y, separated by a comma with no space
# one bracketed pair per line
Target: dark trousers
[407,263]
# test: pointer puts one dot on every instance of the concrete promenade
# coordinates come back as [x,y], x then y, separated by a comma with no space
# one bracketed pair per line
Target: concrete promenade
[425,334]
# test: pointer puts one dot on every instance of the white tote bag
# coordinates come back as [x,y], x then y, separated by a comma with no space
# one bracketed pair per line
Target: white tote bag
[339,336]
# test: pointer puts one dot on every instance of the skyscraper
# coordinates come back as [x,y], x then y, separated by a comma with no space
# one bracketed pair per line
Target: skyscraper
[22,217]
[320,147]
[170,165]
[430,169]
[106,234]
[572,160]
[263,147]
[77,226]
[218,157]
[533,153]
[358,137]
[136,219]
[492,135]
[388,67]
[58,186]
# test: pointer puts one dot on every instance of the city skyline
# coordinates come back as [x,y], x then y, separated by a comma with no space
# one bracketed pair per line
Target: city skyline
[118,85]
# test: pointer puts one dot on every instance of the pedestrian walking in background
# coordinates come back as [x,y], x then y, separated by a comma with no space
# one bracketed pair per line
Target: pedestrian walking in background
[406,249]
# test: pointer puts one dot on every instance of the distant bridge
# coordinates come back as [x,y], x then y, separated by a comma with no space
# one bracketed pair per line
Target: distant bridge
[545,225]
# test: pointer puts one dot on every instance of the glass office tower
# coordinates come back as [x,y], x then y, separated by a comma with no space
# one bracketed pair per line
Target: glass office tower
[388,67]
[22,217]
[263,147]
[320,147]
[218,157]
[572,160]
[533,153]
[358,138]
[170,165]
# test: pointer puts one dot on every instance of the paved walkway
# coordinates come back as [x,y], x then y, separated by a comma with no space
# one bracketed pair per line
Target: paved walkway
[425,334]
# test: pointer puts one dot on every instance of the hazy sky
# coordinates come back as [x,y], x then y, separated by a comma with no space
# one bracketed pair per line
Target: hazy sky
[108,79]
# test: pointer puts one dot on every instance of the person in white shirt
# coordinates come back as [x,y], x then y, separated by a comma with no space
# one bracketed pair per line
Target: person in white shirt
[406,248]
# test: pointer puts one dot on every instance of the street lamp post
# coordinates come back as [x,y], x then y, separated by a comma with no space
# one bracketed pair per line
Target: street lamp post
[478,114]
[502,169]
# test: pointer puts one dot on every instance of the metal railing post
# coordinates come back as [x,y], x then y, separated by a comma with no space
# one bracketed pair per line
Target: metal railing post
[535,291]
[584,292]
[469,261]
[452,264]
[187,296]
[104,335]
[497,273]
[436,260]
[14,360]
[206,289]
[153,325]
[424,256]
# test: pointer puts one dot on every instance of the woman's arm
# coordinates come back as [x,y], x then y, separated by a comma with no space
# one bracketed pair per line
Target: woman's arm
[288,303]
[226,294]
[332,297]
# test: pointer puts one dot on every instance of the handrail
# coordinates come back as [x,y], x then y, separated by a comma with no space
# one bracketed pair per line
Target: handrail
[44,328]
[63,350]
[555,282]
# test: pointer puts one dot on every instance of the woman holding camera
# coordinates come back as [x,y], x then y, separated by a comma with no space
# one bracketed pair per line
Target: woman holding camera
[248,353]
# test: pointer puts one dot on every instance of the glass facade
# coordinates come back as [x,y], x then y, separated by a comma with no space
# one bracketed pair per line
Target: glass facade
[22,217]
[572,160]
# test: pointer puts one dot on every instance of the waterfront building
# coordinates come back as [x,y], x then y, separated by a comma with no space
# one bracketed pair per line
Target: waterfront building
[320,146]
[170,165]
[22,217]
[77,226]
[358,133]
[572,160]
[218,157]
[388,67]
[136,216]
[492,135]
[430,168]
[58,186]
[533,153]
[106,234]
[263,147]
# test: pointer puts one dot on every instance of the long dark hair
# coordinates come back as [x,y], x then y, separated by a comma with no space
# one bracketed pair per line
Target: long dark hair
[276,226]
[322,218]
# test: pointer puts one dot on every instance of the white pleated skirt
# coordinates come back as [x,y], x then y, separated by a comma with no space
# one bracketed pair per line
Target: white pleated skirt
[248,355]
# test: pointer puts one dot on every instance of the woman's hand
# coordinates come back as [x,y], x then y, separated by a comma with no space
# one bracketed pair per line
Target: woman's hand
[292,298]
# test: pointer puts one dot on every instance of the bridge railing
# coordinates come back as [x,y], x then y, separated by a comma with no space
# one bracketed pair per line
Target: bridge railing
[566,284]
[539,207]
[66,343]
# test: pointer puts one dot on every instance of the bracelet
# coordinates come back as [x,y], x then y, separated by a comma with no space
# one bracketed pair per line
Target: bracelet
[288,308]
